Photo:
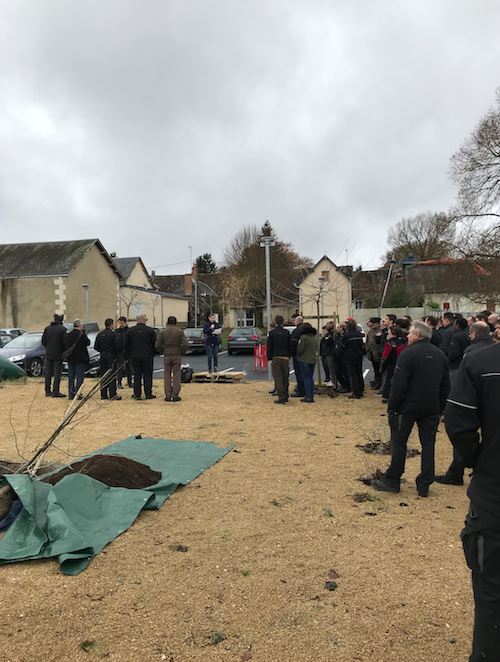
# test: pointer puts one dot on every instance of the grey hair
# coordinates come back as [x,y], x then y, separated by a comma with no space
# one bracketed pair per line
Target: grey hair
[299,319]
[77,322]
[423,329]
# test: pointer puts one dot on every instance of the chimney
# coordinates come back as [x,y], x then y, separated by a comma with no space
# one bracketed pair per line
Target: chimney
[188,285]
[194,272]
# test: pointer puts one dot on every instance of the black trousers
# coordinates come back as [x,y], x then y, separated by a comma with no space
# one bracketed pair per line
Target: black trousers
[281,377]
[124,367]
[341,372]
[52,368]
[108,363]
[376,370]
[356,378]
[300,388]
[401,426]
[143,368]
[481,543]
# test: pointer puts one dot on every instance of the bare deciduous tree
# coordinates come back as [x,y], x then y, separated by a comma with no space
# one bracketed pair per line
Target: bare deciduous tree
[427,236]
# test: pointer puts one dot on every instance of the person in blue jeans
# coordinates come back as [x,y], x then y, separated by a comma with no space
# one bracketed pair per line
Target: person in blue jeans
[307,354]
[212,332]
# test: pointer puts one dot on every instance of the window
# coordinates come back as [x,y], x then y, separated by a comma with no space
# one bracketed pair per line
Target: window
[326,275]
[358,304]
[248,318]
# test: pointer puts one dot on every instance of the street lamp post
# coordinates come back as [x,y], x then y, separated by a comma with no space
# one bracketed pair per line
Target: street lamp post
[86,288]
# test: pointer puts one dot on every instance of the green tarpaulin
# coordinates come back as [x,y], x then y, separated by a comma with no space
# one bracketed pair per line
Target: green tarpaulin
[76,518]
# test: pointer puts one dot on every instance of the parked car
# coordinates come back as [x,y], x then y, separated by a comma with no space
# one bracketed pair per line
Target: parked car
[195,340]
[93,367]
[13,332]
[27,352]
[5,338]
[245,338]
[88,327]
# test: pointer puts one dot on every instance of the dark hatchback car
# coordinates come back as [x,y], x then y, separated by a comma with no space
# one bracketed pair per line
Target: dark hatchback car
[195,340]
[245,339]
[27,352]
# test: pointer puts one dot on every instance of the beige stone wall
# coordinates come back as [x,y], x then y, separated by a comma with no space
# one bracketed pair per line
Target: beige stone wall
[336,294]
[176,307]
[95,271]
[30,303]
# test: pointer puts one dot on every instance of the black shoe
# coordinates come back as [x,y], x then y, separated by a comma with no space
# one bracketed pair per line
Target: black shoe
[135,397]
[344,390]
[383,487]
[448,480]
[295,394]
[58,395]
[308,400]
[354,397]
[176,398]
[273,392]
[119,386]
[117,397]
[48,394]
[423,492]
[150,397]
[168,399]
[385,401]
[280,402]
[105,397]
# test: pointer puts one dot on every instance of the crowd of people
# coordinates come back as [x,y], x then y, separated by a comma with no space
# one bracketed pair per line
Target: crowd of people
[422,370]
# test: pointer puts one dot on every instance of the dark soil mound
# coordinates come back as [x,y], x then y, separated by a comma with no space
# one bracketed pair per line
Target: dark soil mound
[112,470]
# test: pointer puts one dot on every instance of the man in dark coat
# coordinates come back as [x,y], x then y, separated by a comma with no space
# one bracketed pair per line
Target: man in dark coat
[279,347]
[473,404]
[78,360]
[124,364]
[53,341]
[300,389]
[480,339]
[352,341]
[458,344]
[446,332]
[140,346]
[373,350]
[106,345]
[418,394]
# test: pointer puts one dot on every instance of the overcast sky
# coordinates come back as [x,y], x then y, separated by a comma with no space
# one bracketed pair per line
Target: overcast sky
[155,125]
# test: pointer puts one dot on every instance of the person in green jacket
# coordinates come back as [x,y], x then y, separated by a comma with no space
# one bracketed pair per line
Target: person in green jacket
[307,354]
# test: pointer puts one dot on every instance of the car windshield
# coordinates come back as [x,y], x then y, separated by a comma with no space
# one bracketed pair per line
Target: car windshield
[193,333]
[26,341]
[243,332]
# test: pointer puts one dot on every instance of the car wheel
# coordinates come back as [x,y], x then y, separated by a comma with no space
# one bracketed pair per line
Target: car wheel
[229,351]
[36,368]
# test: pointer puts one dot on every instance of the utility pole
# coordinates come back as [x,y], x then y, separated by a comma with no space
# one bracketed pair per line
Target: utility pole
[266,242]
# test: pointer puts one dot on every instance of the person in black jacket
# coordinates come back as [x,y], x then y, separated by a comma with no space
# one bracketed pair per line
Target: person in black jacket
[436,336]
[446,332]
[341,372]
[53,341]
[418,394]
[473,404]
[78,360]
[124,364]
[327,352]
[105,343]
[300,389]
[279,348]
[480,339]
[458,344]
[352,342]
[140,346]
